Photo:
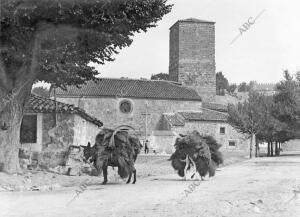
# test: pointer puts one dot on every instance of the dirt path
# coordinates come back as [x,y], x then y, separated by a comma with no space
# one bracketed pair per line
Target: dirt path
[262,187]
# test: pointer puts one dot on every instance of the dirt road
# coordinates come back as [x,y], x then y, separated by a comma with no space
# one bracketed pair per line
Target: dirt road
[262,187]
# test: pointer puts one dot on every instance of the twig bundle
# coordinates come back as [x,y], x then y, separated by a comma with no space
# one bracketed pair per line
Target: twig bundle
[202,150]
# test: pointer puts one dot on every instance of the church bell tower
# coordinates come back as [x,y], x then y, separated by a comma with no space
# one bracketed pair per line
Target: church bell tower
[192,56]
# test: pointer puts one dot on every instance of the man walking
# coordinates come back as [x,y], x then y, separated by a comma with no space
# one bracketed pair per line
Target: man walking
[147,146]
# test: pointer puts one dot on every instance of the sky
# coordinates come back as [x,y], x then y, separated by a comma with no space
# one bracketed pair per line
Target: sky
[269,46]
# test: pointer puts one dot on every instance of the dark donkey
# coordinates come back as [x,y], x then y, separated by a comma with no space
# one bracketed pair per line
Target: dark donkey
[115,149]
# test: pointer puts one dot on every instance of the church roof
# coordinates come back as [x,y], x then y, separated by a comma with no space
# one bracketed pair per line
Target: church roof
[174,119]
[37,104]
[204,115]
[153,89]
[179,118]
[215,106]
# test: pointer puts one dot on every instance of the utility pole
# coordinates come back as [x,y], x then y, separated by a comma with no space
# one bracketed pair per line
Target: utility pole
[146,120]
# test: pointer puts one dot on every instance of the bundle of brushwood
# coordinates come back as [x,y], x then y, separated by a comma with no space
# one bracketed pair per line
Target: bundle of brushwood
[116,148]
[200,152]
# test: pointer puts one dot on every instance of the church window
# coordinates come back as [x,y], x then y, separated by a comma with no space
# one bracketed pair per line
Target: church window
[125,106]
[232,143]
[222,130]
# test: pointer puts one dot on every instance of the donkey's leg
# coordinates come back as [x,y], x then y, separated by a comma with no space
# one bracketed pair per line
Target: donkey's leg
[129,178]
[134,176]
[104,174]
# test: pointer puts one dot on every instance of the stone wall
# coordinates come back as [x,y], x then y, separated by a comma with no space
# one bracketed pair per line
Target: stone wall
[163,141]
[50,149]
[192,56]
[58,137]
[107,110]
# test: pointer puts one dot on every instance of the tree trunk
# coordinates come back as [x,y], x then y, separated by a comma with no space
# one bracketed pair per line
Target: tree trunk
[277,149]
[269,149]
[272,153]
[10,124]
[251,145]
[256,147]
[280,148]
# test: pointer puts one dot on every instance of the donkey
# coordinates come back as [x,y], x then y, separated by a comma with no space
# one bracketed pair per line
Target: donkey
[91,154]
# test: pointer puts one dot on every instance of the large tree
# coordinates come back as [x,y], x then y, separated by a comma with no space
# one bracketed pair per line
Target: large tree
[247,117]
[271,130]
[222,83]
[287,103]
[287,100]
[160,76]
[243,87]
[54,41]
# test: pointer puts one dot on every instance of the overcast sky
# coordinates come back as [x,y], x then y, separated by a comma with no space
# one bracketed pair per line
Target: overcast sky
[271,45]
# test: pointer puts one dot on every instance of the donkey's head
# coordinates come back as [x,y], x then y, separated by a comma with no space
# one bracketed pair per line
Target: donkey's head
[88,152]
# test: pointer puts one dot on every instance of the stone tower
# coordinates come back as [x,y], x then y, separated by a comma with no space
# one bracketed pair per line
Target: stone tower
[192,55]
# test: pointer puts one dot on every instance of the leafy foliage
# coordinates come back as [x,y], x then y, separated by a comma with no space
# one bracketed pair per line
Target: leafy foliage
[243,87]
[246,117]
[41,91]
[222,83]
[232,88]
[287,104]
[160,76]
[55,41]
[66,35]
[271,118]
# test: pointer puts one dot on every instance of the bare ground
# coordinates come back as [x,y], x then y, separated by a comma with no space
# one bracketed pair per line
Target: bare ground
[260,187]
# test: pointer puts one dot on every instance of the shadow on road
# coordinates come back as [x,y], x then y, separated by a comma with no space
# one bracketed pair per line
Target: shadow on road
[291,154]
[282,154]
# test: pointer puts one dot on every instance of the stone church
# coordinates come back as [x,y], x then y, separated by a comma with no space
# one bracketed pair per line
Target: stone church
[160,110]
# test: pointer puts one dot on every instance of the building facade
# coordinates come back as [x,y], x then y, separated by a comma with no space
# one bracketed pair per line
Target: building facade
[49,128]
[137,103]
[208,122]
[145,105]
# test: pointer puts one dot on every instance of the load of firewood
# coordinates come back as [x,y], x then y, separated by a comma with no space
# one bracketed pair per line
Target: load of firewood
[198,152]
[116,148]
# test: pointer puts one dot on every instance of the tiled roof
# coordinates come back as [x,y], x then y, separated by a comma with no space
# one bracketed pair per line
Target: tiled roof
[37,104]
[179,119]
[215,106]
[155,89]
[174,119]
[204,115]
